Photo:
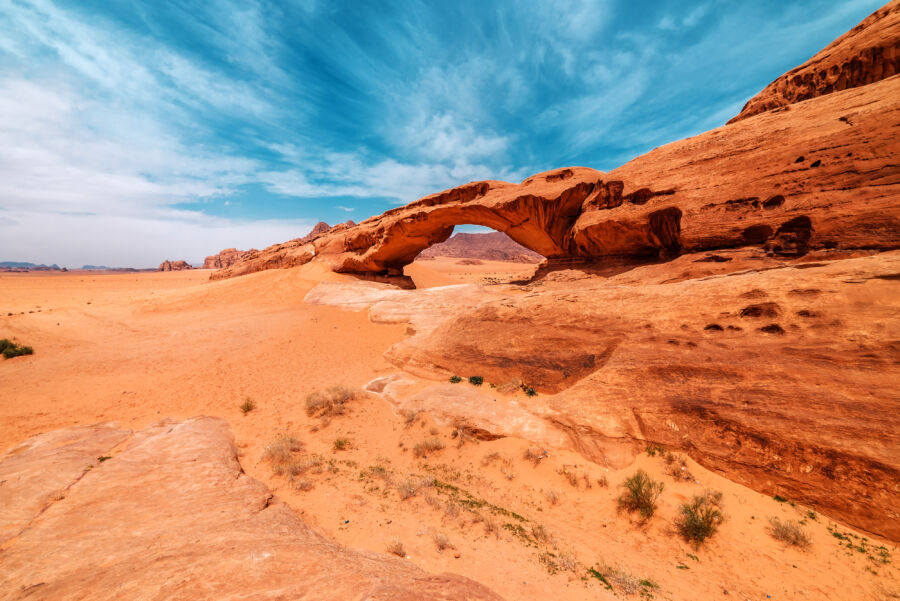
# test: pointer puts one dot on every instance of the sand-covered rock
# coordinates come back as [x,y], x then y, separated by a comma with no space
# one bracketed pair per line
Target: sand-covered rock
[226,258]
[174,266]
[172,516]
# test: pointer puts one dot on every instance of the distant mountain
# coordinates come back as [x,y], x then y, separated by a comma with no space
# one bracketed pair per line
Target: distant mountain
[492,246]
[7,265]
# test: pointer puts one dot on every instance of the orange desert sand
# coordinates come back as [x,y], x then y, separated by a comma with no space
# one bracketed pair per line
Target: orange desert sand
[133,349]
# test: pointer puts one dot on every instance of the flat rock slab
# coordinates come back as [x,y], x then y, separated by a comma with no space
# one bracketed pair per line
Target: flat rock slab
[173,516]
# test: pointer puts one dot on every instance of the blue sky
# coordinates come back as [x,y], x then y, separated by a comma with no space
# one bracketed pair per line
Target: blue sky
[132,132]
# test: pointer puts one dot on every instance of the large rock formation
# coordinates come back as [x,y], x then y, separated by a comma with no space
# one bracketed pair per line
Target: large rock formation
[172,516]
[174,266]
[226,258]
[823,175]
[867,53]
[493,246]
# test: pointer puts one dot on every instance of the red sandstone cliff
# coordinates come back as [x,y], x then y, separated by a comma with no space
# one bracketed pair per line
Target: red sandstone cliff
[174,266]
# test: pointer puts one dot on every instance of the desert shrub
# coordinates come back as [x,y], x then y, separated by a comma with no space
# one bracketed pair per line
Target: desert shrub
[434,502]
[552,496]
[452,510]
[10,349]
[490,458]
[476,380]
[396,548]
[303,484]
[281,451]
[455,379]
[640,494]
[340,444]
[442,542]
[676,467]
[700,518]
[603,482]
[535,454]
[329,402]
[569,475]
[540,533]
[529,390]
[428,445]
[409,416]
[567,562]
[247,406]
[789,532]
[411,486]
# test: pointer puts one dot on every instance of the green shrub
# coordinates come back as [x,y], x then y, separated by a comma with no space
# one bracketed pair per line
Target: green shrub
[428,446]
[476,380]
[529,391]
[341,443]
[11,349]
[455,379]
[640,494]
[700,518]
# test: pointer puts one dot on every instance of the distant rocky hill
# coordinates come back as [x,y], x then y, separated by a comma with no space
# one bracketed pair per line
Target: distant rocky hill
[174,266]
[25,266]
[226,258]
[492,246]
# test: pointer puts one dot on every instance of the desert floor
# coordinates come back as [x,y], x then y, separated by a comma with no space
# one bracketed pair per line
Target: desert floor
[134,348]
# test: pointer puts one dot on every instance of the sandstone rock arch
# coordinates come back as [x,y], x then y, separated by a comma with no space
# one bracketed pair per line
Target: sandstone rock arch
[545,213]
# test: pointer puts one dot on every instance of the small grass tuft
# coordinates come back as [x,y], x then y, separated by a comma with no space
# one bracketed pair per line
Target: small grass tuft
[640,494]
[103,458]
[247,406]
[442,542]
[396,548]
[332,401]
[428,445]
[789,532]
[535,454]
[341,444]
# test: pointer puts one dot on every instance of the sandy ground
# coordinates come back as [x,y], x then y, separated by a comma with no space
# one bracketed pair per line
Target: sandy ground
[445,271]
[136,347]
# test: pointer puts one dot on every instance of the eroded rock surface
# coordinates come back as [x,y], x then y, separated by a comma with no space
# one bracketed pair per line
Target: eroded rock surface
[226,258]
[174,266]
[782,376]
[867,53]
[173,516]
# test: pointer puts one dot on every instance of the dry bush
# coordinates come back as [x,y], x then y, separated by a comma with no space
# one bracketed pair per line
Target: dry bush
[569,475]
[396,548]
[409,416]
[552,496]
[247,406]
[587,480]
[428,445]
[603,482]
[281,451]
[303,484]
[700,518]
[676,467]
[329,402]
[640,494]
[442,542]
[540,533]
[566,561]
[433,501]
[490,458]
[535,454]
[463,434]
[452,510]
[411,486]
[789,532]
[341,444]
[491,526]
